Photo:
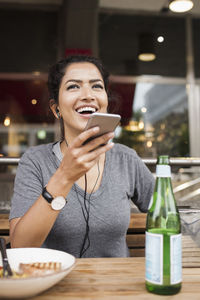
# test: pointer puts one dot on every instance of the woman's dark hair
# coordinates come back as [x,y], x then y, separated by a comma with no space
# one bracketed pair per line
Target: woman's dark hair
[57,71]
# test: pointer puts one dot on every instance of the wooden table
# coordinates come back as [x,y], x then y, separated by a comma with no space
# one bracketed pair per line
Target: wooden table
[4,227]
[4,224]
[114,279]
[118,278]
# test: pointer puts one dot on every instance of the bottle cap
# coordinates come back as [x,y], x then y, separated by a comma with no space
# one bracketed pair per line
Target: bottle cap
[163,171]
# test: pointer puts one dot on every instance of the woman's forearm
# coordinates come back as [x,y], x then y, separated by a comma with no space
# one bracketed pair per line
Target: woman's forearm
[32,229]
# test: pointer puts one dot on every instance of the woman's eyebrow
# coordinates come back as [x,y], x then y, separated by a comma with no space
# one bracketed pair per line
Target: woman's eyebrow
[79,81]
[95,80]
[73,80]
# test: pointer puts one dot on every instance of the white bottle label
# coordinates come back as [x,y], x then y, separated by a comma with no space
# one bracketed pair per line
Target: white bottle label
[176,258]
[154,258]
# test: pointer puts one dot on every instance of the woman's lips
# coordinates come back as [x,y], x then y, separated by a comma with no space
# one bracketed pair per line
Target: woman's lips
[84,116]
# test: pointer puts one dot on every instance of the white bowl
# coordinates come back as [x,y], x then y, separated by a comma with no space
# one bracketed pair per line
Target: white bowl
[30,286]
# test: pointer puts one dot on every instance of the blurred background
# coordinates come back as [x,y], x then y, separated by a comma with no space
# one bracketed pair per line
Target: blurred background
[152,54]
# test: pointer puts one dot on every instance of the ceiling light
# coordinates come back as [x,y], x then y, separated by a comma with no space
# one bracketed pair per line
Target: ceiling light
[34,101]
[146,56]
[160,39]
[146,47]
[180,6]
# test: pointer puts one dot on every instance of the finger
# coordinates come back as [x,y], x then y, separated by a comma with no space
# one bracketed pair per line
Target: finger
[94,155]
[98,141]
[81,138]
[94,144]
[86,161]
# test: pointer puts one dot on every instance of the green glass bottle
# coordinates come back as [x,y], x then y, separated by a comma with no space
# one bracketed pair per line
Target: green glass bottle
[163,253]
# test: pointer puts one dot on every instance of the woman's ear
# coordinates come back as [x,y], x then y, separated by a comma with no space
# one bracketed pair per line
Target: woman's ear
[54,108]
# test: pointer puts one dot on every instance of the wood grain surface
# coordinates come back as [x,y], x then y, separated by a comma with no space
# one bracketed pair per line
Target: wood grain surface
[4,224]
[120,278]
[115,278]
[136,240]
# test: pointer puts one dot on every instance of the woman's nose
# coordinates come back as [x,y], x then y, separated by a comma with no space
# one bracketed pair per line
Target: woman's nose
[87,93]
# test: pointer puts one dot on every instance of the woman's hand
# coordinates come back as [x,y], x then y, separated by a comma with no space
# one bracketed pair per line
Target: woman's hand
[79,158]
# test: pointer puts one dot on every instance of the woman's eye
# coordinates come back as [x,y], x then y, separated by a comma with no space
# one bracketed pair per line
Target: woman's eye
[72,86]
[98,86]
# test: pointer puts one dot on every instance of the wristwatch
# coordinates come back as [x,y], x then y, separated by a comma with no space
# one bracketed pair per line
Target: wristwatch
[57,203]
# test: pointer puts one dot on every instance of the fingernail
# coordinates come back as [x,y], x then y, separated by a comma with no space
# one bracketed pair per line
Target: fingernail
[96,129]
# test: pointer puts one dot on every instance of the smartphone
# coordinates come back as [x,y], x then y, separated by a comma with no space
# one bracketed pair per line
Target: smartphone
[106,123]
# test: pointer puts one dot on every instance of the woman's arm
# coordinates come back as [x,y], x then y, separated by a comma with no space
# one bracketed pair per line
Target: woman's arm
[32,229]
[34,226]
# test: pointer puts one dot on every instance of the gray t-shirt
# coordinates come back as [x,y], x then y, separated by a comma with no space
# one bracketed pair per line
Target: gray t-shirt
[125,178]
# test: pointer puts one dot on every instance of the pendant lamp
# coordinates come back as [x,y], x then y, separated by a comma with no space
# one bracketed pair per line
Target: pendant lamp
[146,47]
[180,6]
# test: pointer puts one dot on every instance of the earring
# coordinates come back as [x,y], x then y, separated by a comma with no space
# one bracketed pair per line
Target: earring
[58,113]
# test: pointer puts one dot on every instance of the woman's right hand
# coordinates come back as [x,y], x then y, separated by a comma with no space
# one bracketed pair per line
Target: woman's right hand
[78,159]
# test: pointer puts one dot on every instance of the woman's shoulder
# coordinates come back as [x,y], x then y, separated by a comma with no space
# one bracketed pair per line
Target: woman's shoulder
[40,151]
[120,149]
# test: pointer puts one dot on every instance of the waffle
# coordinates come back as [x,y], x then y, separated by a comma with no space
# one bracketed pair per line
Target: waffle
[39,268]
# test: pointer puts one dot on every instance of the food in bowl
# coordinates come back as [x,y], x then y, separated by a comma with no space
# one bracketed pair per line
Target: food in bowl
[32,285]
[34,269]
[39,268]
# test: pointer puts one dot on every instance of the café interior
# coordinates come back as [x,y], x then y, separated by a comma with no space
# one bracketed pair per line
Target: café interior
[151,49]
[157,95]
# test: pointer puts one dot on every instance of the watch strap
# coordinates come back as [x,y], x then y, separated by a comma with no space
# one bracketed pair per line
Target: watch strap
[47,195]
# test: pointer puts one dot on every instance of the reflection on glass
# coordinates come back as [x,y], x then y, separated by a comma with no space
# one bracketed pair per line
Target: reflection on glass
[6,121]
[159,122]
[15,139]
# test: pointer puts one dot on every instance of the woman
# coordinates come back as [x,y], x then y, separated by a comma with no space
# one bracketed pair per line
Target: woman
[92,184]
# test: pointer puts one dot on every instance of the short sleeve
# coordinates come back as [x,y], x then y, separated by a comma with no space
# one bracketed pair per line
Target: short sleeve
[27,186]
[144,185]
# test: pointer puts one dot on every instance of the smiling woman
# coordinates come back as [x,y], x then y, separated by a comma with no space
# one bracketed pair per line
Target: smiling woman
[73,196]
[71,85]
[82,92]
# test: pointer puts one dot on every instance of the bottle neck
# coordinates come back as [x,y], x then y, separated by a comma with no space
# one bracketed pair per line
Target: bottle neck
[163,171]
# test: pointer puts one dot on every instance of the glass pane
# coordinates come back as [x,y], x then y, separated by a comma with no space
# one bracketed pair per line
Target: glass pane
[119,44]
[159,123]
[25,117]
[17,138]
[29,39]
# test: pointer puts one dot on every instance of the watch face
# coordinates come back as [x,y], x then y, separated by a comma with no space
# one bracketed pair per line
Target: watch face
[58,203]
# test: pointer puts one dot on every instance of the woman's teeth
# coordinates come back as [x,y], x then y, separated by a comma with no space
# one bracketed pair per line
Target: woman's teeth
[86,109]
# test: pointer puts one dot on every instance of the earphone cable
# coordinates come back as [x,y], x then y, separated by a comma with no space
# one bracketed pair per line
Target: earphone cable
[86,237]
[86,213]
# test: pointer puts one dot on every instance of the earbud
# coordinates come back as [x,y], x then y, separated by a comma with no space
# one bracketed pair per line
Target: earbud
[58,113]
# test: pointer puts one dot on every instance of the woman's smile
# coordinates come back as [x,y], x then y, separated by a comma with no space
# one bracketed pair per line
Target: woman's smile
[82,92]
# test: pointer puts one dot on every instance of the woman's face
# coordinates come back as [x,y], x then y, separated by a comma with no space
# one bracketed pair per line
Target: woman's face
[82,92]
